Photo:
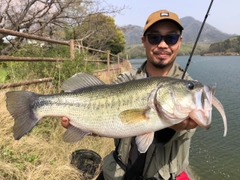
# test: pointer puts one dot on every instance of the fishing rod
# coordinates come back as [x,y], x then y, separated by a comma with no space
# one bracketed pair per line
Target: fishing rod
[195,44]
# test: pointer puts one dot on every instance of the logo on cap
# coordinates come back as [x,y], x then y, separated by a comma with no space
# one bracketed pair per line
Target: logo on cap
[164,14]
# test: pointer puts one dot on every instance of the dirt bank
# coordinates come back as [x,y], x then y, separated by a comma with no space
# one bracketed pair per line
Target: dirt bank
[114,71]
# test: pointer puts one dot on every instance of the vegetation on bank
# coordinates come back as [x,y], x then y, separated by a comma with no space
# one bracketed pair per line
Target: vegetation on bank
[230,46]
[21,71]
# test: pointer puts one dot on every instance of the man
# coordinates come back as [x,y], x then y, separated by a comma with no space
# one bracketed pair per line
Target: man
[167,157]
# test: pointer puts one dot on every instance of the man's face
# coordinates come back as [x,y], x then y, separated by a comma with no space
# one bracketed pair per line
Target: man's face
[161,54]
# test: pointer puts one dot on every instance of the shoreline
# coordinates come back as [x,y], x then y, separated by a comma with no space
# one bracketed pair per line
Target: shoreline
[222,54]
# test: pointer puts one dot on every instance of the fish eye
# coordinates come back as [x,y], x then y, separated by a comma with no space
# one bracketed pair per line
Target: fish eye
[190,86]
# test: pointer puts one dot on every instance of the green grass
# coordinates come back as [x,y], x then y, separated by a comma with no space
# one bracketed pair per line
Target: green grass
[3,75]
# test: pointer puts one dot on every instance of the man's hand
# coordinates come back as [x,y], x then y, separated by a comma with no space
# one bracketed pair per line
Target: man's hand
[185,125]
[65,122]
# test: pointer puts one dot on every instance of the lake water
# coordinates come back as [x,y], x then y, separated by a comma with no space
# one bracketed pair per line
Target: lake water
[212,156]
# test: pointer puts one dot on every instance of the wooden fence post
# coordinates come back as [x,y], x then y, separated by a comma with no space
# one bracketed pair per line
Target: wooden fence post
[71,44]
[108,61]
[118,60]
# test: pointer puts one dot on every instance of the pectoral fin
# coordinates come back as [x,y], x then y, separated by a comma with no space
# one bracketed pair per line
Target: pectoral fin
[133,116]
[144,141]
[73,134]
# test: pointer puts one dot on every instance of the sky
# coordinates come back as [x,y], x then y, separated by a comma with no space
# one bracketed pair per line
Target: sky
[224,14]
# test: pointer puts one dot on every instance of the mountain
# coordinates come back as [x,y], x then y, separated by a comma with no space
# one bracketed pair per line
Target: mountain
[209,33]
[191,26]
[132,34]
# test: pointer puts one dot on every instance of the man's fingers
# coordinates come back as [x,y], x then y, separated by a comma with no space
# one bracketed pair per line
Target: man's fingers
[191,124]
[65,122]
[185,125]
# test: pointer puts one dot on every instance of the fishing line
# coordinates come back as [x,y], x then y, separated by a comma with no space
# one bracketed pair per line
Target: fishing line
[195,44]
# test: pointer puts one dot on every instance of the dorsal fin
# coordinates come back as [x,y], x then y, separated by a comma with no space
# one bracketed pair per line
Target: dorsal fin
[80,80]
[124,77]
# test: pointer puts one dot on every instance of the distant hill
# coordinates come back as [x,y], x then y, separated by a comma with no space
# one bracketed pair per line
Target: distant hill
[191,26]
[132,34]
[209,34]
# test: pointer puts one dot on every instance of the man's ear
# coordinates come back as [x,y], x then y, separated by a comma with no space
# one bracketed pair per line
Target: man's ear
[144,41]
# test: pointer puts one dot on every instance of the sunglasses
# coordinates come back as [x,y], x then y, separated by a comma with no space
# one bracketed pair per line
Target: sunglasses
[169,39]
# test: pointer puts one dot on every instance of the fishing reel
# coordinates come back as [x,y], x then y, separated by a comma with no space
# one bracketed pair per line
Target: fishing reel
[87,161]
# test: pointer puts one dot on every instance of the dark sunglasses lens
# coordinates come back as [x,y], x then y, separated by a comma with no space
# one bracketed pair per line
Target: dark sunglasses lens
[154,39]
[171,39]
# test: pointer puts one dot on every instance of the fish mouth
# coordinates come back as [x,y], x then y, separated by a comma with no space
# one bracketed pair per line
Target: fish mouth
[202,114]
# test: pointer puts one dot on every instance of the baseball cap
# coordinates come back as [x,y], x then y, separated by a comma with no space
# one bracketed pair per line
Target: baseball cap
[162,15]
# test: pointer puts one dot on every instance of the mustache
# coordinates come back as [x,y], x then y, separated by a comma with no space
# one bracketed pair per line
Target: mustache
[162,52]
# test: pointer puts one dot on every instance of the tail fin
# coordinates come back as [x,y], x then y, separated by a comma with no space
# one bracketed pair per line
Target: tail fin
[20,106]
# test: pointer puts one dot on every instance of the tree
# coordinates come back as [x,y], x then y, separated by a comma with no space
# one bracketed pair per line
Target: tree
[47,17]
[117,43]
[99,31]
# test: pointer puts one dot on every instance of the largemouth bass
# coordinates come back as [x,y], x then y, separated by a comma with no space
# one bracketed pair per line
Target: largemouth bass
[135,108]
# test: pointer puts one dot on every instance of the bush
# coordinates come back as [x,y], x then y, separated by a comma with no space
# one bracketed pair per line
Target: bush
[60,71]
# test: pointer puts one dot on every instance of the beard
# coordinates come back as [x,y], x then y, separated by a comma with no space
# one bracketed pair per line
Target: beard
[161,65]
